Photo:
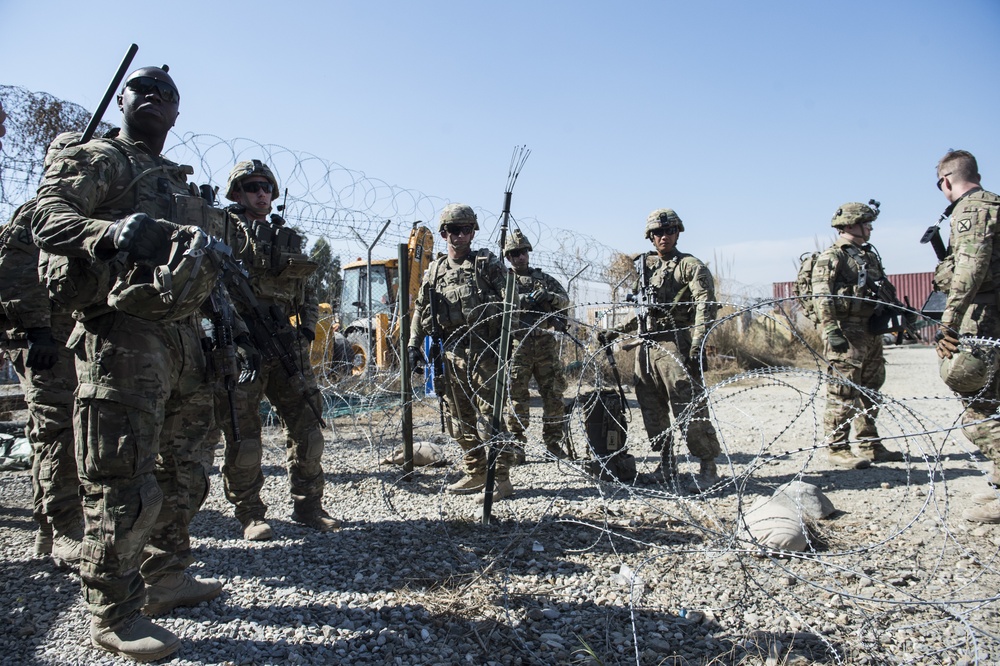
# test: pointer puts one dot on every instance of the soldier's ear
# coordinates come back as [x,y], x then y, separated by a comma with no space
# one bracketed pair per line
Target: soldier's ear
[120,102]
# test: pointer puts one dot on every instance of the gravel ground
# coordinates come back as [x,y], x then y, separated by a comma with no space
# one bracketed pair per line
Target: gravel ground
[574,571]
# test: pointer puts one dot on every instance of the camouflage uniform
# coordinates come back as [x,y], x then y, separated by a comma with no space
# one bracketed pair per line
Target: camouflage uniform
[682,308]
[47,392]
[972,308]
[849,270]
[139,418]
[536,353]
[279,271]
[468,302]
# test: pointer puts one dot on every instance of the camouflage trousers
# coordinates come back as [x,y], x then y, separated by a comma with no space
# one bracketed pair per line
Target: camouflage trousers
[141,425]
[468,394]
[241,469]
[537,356]
[862,366]
[54,482]
[980,419]
[661,383]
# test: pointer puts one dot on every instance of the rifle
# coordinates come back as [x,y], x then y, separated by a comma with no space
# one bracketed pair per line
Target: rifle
[644,297]
[891,315]
[271,333]
[933,236]
[437,353]
[223,351]
[95,120]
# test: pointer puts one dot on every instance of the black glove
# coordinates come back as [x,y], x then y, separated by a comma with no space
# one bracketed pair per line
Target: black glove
[838,342]
[947,344]
[307,333]
[43,351]
[697,360]
[139,235]
[248,358]
[416,359]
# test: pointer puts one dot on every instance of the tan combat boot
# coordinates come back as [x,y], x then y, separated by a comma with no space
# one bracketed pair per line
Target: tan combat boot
[136,638]
[468,484]
[843,458]
[66,548]
[502,489]
[43,539]
[983,513]
[318,519]
[256,529]
[179,589]
[876,452]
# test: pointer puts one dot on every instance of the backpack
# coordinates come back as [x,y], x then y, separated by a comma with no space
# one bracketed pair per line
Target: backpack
[605,425]
[803,286]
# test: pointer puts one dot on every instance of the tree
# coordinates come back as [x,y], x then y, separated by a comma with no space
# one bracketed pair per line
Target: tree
[620,272]
[327,276]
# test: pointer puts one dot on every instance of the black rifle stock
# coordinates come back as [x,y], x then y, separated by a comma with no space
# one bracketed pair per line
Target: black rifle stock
[271,333]
[933,236]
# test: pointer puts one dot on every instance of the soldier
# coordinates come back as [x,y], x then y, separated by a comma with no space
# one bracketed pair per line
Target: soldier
[459,302]
[139,418]
[972,308]
[851,268]
[48,378]
[535,349]
[681,299]
[279,272]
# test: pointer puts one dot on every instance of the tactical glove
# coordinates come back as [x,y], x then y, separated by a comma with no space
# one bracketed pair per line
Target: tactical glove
[307,333]
[248,358]
[139,235]
[697,360]
[838,342]
[607,337]
[43,351]
[947,344]
[416,359]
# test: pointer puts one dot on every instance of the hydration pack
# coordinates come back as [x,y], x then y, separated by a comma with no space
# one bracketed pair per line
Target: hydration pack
[606,427]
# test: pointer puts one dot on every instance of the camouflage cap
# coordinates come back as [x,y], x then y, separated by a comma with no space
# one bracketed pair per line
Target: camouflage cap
[457,213]
[248,168]
[853,213]
[968,370]
[662,217]
[61,141]
[516,241]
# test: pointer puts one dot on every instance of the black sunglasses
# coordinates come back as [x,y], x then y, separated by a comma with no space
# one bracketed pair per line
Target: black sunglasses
[666,231]
[518,253]
[256,186]
[941,179]
[460,229]
[143,85]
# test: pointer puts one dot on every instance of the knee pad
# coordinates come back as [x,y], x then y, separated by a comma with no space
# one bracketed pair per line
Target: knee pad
[314,445]
[249,454]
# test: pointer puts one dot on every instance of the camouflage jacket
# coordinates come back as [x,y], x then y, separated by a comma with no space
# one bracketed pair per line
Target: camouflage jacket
[274,256]
[845,270]
[24,298]
[464,294]
[975,253]
[87,187]
[681,295]
[554,299]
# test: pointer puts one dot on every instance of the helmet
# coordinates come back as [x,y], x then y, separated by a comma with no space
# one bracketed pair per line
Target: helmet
[456,213]
[968,370]
[853,213]
[662,217]
[177,288]
[516,241]
[245,169]
[61,141]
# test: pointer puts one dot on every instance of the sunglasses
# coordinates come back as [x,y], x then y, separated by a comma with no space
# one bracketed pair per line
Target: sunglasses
[143,85]
[666,231]
[460,229]
[941,179]
[256,186]
[518,253]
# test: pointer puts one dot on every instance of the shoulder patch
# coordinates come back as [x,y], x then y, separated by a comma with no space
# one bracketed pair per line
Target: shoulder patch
[964,225]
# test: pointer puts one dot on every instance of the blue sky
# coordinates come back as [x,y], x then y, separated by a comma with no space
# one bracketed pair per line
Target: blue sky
[753,120]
